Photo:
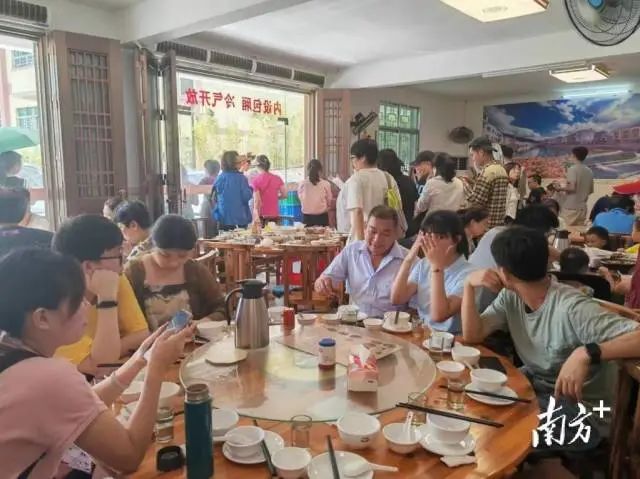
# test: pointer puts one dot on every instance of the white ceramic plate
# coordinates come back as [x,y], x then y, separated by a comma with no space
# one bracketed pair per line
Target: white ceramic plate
[225,354]
[505,391]
[426,346]
[274,443]
[320,466]
[397,329]
[464,447]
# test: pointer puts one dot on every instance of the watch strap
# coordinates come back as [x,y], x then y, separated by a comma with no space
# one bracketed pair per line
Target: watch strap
[106,304]
[594,352]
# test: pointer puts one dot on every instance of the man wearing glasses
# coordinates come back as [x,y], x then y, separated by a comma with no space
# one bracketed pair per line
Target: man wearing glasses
[115,323]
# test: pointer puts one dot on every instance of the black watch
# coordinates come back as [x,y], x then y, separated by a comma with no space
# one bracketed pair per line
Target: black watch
[594,352]
[106,304]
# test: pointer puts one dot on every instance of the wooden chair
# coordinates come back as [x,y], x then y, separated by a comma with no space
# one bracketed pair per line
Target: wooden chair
[211,260]
[624,461]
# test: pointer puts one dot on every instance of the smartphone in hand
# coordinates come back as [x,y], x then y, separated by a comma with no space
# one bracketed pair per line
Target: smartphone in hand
[180,320]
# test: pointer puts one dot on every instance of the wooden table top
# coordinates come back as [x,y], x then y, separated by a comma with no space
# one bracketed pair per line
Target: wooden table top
[498,450]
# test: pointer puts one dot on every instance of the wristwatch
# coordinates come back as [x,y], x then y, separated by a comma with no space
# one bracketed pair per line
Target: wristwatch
[594,352]
[106,304]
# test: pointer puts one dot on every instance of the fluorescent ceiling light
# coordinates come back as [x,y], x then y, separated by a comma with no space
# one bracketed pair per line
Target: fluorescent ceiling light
[580,75]
[534,69]
[596,92]
[493,10]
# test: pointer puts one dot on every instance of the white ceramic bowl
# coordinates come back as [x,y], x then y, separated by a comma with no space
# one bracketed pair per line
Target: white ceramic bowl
[307,319]
[403,318]
[488,380]
[358,430]
[447,430]
[450,369]
[348,313]
[330,318]
[223,420]
[373,324]
[252,437]
[398,441]
[291,462]
[465,354]
[167,391]
[275,313]
[211,329]
[441,338]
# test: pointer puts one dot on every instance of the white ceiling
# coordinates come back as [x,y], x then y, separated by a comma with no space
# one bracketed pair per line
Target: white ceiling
[624,69]
[338,33]
[108,4]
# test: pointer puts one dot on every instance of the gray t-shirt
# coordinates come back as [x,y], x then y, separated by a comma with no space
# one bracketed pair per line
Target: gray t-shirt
[545,338]
[581,177]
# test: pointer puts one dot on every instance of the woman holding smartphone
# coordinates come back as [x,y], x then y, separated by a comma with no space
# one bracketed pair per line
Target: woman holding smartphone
[46,405]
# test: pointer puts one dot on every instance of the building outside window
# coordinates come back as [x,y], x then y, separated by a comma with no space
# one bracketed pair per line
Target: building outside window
[27,118]
[21,59]
[399,130]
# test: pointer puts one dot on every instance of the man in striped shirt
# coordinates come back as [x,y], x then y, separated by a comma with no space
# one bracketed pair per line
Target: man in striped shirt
[491,186]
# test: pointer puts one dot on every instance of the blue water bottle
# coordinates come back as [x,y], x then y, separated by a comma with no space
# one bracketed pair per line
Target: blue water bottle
[197,420]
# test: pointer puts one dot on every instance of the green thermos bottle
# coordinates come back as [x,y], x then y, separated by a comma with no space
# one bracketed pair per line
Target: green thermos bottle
[197,420]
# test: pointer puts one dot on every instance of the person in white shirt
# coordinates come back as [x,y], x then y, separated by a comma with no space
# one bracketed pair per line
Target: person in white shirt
[444,191]
[365,189]
[513,195]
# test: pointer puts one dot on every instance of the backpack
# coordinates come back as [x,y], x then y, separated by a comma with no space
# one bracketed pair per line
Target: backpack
[392,199]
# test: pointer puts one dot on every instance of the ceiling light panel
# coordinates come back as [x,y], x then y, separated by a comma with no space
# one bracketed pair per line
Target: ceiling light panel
[580,75]
[494,10]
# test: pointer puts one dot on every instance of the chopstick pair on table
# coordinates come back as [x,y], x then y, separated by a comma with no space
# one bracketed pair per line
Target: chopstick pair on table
[493,395]
[439,412]
[267,455]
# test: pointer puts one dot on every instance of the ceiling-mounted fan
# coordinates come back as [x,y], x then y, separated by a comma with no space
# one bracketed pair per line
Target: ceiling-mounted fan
[604,22]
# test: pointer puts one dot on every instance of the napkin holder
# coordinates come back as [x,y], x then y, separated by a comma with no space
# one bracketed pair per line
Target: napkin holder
[362,371]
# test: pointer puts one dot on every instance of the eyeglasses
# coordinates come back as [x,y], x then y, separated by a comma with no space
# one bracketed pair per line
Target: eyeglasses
[120,258]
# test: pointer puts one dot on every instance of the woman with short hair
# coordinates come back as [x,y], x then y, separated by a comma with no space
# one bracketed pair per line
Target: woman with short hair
[231,195]
[167,279]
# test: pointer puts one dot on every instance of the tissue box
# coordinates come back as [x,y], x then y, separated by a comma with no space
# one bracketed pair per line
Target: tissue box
[362,371]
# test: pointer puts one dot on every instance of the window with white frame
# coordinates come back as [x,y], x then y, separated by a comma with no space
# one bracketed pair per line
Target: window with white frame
[21,59]
[399,130]
[27,117]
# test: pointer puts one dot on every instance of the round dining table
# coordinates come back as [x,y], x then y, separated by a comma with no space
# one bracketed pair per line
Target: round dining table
[282,380]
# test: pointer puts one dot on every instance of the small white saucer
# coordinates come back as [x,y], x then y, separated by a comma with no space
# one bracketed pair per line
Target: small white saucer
[397,329]
[464,447]
[274,443]
[505,391]
[425,345]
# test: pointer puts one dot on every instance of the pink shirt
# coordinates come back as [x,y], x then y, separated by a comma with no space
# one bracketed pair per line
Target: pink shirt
[268,185]
[45,404]
[315,199]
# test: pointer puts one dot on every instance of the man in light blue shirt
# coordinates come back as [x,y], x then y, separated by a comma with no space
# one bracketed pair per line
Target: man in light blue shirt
[370,266]
[619,218]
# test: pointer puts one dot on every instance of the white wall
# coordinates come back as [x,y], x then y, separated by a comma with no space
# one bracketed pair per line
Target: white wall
[438,114]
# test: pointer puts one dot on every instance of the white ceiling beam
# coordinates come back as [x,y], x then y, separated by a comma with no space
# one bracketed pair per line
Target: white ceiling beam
[548,49]
[153,21]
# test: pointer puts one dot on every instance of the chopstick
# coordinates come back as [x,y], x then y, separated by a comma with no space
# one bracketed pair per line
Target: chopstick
[493,395]
[266,454]
[451,415]
[197,337]
[110,365]
[332,456]
[395,321]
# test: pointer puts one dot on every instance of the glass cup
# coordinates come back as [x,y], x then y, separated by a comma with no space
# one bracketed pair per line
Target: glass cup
[417,328]
[455,394]
[418,399]
[164,425]
[436,348]
[301,431]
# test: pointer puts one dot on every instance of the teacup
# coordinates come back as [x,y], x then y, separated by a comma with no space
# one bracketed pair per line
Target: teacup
[441,340]
[447,430]
[348,313]
[403,319]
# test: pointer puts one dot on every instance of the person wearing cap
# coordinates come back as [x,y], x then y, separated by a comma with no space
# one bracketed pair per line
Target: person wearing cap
[578,188]
[491,187]
[267,189]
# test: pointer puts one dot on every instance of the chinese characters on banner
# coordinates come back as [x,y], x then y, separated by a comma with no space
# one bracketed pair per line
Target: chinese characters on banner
[222,100]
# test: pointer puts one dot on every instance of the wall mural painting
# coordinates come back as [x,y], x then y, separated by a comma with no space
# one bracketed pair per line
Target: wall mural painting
[542,134]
